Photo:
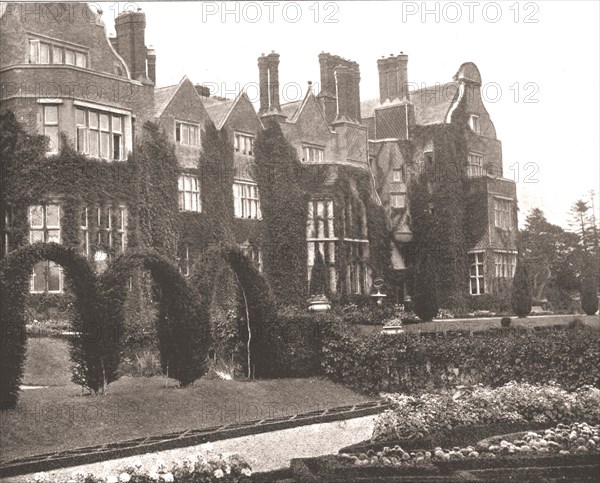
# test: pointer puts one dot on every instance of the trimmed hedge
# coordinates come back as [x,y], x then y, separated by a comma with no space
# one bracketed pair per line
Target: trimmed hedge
[183,335]
[412,363]
[88,353]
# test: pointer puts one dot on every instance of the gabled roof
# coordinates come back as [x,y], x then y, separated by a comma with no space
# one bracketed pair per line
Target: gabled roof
[219,109]
[293,110]
[164,95]
[289,109]
[431,103]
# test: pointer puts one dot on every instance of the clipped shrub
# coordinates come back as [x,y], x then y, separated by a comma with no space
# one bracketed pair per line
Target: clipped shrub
[425,296]
[505,321]
[90,353]
[183,336]
[589,293]
[318,276]
[413,363]
[521,290]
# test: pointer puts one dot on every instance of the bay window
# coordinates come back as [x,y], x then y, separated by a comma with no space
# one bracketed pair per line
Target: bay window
[476,277]
[99,134]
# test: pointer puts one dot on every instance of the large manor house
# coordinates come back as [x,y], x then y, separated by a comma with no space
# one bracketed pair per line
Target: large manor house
[71,80]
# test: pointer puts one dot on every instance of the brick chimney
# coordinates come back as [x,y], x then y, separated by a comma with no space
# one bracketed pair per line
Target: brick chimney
[151,62]
[355,91]
[203,91]
[393,77]
[263,83]
[131,27]
[328,94]
[343,81]
[273,60]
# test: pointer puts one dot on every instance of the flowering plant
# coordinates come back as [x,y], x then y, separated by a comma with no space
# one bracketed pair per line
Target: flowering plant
[194,467]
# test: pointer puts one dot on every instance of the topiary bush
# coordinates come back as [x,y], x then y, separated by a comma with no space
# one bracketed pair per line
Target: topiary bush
[505,321]
[318,276]
[183,335]
[521,290]
[90,354]
[425,295]
[589,293]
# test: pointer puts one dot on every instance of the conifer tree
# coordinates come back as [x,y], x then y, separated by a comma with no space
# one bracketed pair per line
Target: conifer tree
[521,290]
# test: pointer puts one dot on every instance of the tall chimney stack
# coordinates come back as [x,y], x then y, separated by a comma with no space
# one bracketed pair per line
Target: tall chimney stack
[151,62]
[263,83]
[274,81]
[382,66]
[393,77]
[343,87]
[130,28]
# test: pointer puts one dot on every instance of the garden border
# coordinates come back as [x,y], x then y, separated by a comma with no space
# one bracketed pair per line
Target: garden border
[182,439]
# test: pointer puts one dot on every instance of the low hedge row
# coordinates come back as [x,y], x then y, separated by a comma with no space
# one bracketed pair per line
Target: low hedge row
[413,364]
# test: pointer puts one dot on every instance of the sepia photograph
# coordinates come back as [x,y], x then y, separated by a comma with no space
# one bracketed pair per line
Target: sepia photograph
[300,241]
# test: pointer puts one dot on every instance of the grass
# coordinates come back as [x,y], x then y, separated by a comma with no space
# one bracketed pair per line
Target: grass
[481,324]
[59,417]
[47,363]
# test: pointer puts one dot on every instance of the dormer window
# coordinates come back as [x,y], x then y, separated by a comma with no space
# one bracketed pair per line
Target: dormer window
[474,123]
[313,154]
[243,144]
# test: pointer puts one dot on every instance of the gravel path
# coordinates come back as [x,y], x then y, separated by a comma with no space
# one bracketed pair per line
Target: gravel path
[264,452]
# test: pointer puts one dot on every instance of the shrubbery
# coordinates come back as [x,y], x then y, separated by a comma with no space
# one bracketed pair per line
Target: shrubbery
[521,290]
[589,293]
[413,363]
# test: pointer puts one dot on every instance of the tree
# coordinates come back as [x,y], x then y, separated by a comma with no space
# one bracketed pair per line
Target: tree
[521,290]
[552,259]
[318,276]
[589,292]
[425,293]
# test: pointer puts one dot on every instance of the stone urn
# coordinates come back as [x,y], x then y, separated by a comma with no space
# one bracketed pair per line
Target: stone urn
[319,303]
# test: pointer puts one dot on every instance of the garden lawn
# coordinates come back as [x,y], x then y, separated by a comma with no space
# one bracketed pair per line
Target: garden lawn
[47,362]
[59,418]
[481,324]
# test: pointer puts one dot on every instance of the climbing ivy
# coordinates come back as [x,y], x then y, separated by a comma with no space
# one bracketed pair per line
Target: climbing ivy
[284,204]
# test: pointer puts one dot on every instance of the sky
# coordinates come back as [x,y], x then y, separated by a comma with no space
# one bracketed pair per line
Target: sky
[539,63]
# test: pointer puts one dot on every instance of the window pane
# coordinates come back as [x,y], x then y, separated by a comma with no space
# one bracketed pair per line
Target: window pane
[57,55]
[117,147]
[104,122]
[44,53]
[53,277]
[53,236]
[50,114]
[36,215]
[69,57]
[34,46]
[39,277]
[36,236]
[84,217]
[52,133]
[80,59]
[116,124]
[104,144]
[52,215]
[93,118]
[180,183]
[94,144]
[80,114]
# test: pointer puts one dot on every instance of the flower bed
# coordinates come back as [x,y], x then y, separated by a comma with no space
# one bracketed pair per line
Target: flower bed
[562,452]
[417,416]
[196,467]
